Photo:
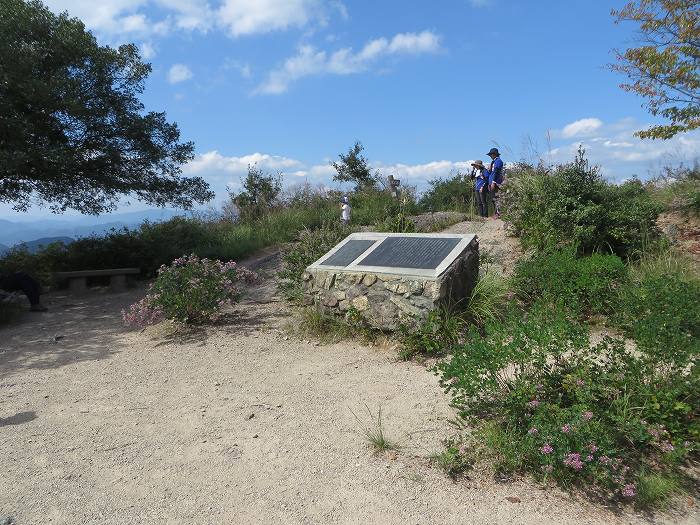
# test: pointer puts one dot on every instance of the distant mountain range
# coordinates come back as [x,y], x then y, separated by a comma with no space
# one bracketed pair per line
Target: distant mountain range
[38,232]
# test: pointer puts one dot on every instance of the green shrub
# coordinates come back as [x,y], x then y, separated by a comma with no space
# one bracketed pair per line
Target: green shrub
[454,460]
[586,285]
[371,205]
[574,205]
[660,310]
[437,334]
[678,188]
[558,407]
[450,194]
[396,224]
[191,290]
[297,256]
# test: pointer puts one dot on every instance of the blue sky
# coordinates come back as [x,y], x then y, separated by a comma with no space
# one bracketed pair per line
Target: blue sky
[426,86]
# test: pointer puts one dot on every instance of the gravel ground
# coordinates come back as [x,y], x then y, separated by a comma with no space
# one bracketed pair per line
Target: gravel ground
[239,423]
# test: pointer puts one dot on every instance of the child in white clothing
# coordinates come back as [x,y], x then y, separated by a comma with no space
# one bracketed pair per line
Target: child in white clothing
[345,211]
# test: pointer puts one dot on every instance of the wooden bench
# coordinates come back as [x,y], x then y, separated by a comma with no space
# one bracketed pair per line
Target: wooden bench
[77,281]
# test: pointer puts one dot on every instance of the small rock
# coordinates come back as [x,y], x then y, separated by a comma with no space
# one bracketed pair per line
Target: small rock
[250,416]
[255,436]
[217,384]
[513,499]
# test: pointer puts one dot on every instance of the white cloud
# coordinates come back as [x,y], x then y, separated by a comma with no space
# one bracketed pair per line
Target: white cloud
[179,73]
[148,51]
[581,128]
[620,154]
[121,20]
[213,163]
[223,171]
[243,68]
[310,61]
[247,17]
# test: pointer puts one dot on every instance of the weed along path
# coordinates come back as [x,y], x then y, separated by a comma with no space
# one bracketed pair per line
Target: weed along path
[234,424]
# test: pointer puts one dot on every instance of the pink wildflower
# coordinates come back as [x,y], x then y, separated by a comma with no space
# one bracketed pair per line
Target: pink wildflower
[566,428]
[666,446]
[532,431]
[604,460]
[547,449]
[534,403]
[573,460]
[580,382]
[629,490]
[589,457]
[593,448]
[587,416]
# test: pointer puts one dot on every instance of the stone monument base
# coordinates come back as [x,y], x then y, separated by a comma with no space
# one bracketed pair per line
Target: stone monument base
[385,300]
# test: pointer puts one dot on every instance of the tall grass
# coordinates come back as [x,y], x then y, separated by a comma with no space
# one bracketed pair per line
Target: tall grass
[487,299]
[242,240]
[374,431]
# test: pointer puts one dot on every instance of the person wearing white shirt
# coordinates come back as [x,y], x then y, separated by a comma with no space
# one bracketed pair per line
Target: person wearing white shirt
[345,211]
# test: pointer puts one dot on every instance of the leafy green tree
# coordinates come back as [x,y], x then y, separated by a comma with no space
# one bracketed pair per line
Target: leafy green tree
[664,69]
[260,194]
[73,133]
[353,168]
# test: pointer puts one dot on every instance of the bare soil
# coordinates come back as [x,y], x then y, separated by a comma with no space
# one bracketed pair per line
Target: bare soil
[238,423]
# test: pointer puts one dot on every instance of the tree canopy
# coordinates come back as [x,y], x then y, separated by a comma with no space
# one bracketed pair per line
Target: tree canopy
[665,69]
[73,133]
[353,168]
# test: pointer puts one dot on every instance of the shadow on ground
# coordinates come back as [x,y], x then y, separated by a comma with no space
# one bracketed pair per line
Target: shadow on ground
[18,419]
[76,328]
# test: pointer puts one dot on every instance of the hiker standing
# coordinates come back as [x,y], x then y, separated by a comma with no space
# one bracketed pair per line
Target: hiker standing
[480,175]
[495,179]
[345,211]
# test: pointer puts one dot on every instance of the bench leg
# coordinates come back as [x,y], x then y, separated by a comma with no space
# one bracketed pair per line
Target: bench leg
[117,283]
[77,285]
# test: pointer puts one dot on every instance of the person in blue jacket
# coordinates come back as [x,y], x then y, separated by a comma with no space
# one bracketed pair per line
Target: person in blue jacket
[495,179]
[480,176]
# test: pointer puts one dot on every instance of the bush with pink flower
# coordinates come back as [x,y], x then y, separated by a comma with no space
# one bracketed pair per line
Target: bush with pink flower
[594,416]
[191,290]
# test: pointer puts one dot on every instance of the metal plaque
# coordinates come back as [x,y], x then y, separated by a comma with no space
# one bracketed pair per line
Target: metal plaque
[425,253]
[350,251]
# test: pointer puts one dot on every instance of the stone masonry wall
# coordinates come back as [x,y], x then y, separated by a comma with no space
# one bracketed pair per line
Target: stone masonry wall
[386,300]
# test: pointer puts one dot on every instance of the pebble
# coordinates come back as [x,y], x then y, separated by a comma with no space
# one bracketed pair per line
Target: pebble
[255,436]
[250,416]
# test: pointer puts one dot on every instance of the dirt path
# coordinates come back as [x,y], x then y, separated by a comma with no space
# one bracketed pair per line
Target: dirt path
[498,251]
[236,424]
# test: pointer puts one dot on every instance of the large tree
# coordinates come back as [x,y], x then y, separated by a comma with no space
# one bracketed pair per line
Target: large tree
[665,69]
[73,133]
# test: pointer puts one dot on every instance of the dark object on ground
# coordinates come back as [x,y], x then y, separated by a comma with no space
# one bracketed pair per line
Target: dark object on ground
[18,419]
[77,281]
[21,281]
